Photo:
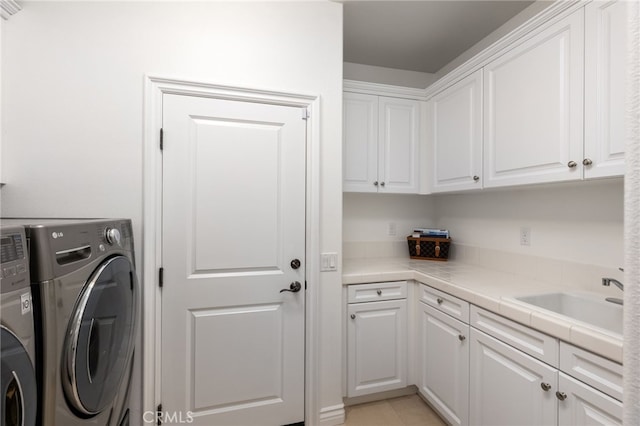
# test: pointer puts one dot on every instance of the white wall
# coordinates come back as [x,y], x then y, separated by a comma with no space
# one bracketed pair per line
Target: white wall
[580,222]
[72,97]
[383,75]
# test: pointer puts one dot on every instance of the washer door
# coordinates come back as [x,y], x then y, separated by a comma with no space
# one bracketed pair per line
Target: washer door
[99,339]
[19,392]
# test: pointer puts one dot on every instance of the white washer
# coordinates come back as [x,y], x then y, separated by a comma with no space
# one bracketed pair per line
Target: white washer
[85,298]
[19,398]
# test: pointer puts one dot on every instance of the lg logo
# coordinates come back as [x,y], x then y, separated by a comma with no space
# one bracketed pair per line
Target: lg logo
[57,235]
[160,417]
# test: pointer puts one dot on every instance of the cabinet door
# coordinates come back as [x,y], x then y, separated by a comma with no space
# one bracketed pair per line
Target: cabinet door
[444,364]
[455,133]
[605,75]
[398,155]
[376,347]
[533,106]
[585,405]
[506,385]
[360,142]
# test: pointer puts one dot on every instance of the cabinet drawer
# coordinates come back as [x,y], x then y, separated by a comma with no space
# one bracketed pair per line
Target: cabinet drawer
[377,291]
[532,342]
[457,308]
[601,373]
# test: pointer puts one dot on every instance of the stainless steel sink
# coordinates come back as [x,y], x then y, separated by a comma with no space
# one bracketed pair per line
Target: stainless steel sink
[587,309]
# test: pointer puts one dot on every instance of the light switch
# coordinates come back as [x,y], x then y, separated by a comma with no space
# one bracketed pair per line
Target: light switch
[329,262]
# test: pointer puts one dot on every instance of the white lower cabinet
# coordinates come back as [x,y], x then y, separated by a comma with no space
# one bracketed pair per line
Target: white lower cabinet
[376,345]
[443,350]
[583,405]
[509,387]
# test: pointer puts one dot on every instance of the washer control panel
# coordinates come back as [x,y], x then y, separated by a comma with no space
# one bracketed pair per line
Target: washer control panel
[14,265]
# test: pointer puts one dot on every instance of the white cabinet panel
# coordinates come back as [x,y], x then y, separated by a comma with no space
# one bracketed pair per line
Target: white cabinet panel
[443,359]
[506,385]
[605,75]
[584,405]
[455,135]
[381,138]
[398,155]
[376,347]
[360,146]
[533,108]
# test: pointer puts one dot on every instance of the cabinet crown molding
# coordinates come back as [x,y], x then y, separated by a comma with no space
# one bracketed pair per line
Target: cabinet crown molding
[8,8]
[383,90]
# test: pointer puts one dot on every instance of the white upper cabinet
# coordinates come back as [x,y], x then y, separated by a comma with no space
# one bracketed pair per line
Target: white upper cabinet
[533,108]
[360,146]
[398,145]
[605,64]
[381,138]
[455,135]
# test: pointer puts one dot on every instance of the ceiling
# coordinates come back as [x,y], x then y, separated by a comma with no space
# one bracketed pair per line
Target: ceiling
[419,35]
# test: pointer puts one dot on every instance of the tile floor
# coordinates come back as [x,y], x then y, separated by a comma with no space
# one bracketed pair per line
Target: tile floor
[403,411]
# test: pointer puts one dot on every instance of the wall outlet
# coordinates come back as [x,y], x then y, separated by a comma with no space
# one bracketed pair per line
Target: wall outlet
[525,236]
[392,229]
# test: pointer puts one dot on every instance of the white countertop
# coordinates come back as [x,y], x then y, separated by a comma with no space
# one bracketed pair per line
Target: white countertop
[491,290]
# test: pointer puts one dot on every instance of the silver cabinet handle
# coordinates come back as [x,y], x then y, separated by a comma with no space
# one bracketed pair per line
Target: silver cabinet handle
[476,178]
[375,183]
[545,386]
[461,337]
[379,292]
[571,164]
[353,316]
[293,288]
[587,162]
[381,183]
[439,300]
[561,396]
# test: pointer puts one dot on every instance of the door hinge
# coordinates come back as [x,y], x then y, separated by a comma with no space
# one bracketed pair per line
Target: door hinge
[161,277]
[159,415]
[305,114]
[161,139]
[305,284]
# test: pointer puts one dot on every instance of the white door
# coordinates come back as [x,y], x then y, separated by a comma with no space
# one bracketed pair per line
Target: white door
[456,135]
[376,347]
[605,76]
[233,220]
[398,145]
[508,387]
[360,142]
[584,405]
[533,108]
[444,364]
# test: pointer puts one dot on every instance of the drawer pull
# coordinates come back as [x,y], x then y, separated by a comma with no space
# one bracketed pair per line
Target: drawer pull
[379,292]
[545,386]
[561,396]
[439,300]
[461,337]
[353,316]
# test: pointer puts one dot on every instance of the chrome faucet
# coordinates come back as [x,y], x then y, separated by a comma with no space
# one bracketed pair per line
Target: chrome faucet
[607,282]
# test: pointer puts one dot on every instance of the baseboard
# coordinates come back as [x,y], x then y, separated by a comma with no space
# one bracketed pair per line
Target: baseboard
[332,416]
[379,396]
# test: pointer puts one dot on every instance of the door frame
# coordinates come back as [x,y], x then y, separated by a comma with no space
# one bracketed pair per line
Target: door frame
[151,315]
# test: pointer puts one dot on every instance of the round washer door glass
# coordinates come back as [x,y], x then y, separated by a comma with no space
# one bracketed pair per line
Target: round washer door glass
[99,340]
[18,382]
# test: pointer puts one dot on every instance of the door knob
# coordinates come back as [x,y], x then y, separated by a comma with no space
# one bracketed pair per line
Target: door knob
[295,263]
[293,288]
[572,164]
[561,396]
[545,386]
